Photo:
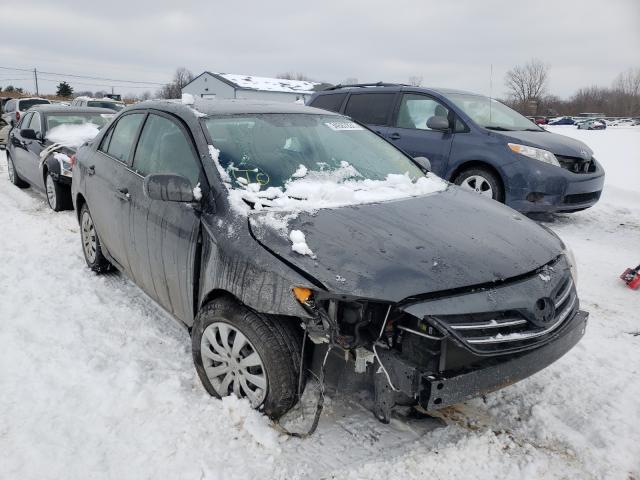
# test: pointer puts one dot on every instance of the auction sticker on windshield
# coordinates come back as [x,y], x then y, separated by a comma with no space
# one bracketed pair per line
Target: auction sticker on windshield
[343,126]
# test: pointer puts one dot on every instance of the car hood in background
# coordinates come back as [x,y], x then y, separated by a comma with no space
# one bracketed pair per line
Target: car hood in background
[393,250]
[556,144]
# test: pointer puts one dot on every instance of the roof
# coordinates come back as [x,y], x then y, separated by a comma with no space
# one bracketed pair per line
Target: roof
[53,108]
[264,84]
[94,99]
[229,107]
[393,87]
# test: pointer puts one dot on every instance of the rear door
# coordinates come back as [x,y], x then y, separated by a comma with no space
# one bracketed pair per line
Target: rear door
[163,236]
[372,109]
[105,185]
[410,132]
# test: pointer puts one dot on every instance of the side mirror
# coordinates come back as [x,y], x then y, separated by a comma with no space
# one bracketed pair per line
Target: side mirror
[28,133]
[3,146]
[438,123]
[168,187]
[423,162]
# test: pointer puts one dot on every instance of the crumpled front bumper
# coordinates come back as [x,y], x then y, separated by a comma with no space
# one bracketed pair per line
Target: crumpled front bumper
[440,391]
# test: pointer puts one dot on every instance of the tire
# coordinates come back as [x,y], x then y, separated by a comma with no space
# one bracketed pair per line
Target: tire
[91,246]
[13,175]
[58,196]
[273,346]
[481,180]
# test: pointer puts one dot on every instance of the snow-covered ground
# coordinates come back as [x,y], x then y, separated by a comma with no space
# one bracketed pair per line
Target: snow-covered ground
[97,382]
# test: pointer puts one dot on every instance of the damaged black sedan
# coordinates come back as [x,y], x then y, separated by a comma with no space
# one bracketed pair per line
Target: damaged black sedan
[290,240]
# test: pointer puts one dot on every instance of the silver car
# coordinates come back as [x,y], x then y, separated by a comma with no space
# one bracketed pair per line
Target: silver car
[15,108]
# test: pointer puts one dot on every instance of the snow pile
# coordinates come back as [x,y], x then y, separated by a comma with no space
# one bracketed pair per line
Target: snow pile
[187,99]
[300,172]
[299,243]
[73,135]
[244,417]
[197,192]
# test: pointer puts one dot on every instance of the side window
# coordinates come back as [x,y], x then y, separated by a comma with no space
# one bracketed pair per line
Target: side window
[329,102]
[24,121]
[164,148]
[122,136]
[370,108]
[415,110]
[34,124]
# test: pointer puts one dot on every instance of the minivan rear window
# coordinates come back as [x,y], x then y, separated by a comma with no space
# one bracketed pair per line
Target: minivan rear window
[370,108]
[329,102]
[27,104]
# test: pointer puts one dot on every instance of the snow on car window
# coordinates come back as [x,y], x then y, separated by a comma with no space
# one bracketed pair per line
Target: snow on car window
[73,135]
[302,161]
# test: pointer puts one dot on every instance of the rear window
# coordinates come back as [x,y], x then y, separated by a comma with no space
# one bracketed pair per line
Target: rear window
[27,104]
[104,104]
[370,108]
[329,102]
[97,119]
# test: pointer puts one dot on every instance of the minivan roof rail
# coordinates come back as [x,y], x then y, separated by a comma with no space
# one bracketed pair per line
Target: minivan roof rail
[378,84]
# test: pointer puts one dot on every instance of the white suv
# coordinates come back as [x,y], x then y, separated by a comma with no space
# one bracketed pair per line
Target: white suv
[98,102]
[16,107]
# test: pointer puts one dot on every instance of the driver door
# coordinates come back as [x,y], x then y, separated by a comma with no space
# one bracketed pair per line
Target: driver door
[409,130]
[163,236]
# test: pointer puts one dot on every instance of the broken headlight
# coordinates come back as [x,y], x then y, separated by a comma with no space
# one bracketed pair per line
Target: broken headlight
[571,260]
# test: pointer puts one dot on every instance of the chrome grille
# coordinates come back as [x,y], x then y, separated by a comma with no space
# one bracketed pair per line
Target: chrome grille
[505,331]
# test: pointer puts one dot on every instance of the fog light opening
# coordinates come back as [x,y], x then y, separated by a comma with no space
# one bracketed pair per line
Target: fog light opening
[535,197]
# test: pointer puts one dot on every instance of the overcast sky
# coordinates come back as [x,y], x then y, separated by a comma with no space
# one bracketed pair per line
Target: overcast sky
[447,43]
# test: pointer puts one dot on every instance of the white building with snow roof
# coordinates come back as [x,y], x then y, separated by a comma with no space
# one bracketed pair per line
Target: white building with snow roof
[228,85]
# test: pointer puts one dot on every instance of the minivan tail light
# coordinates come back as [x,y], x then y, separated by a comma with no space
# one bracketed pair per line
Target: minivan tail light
[17,115]
[72,160]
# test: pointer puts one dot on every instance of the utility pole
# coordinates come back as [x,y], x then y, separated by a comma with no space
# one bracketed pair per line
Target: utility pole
[111,90]
[35,76]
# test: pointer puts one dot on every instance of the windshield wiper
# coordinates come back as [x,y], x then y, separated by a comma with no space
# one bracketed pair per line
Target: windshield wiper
[500,129]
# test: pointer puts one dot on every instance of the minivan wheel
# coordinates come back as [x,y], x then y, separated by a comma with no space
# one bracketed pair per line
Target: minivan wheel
[482,181]
[13,175]
[91,246]
[242,352]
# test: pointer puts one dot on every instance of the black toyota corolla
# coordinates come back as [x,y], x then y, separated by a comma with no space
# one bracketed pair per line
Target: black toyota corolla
[267,226]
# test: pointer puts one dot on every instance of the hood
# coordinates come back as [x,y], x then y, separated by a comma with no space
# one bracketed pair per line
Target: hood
[393,250]
[556,144]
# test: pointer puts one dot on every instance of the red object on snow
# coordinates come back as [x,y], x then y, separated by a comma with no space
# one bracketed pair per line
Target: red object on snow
[631,277]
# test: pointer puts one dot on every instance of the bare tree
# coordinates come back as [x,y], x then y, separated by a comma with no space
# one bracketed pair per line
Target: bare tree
[294,76]
[174,88]
[527,83]
[415,80]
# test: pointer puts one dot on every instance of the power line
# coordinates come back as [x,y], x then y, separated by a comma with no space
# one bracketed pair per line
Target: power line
[104,79]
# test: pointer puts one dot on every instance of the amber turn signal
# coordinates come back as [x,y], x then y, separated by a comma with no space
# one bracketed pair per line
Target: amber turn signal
[302,294]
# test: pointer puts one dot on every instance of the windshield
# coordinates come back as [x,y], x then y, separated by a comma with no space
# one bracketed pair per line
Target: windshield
[490,113]
[57,119]
[270,149]
[104,104]
[27,104]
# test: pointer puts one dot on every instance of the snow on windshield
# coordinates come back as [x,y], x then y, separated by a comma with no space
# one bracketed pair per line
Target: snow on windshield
[73,135]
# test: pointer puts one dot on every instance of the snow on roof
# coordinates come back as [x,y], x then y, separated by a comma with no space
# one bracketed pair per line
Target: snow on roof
[269,84]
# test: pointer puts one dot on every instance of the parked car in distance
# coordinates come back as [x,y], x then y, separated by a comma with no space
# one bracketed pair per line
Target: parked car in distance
[477,143]
[105,102]
[219,212]
[40,148]
[591,125]
[562,121]
[15,108]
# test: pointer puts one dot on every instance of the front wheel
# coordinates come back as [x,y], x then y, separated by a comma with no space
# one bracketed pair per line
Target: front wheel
[241,352]
[58,196]
[481,181]
[91,246]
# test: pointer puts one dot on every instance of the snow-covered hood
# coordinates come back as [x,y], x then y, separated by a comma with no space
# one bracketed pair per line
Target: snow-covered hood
[392,250]
[556,144]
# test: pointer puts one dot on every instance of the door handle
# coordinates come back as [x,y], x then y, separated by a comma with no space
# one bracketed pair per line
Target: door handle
[395,136]
[123,193]
[91,170]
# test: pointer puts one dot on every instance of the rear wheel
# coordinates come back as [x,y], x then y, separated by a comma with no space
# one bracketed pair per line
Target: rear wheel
[482,181]
[91,246]
[241,352]
[13,175]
